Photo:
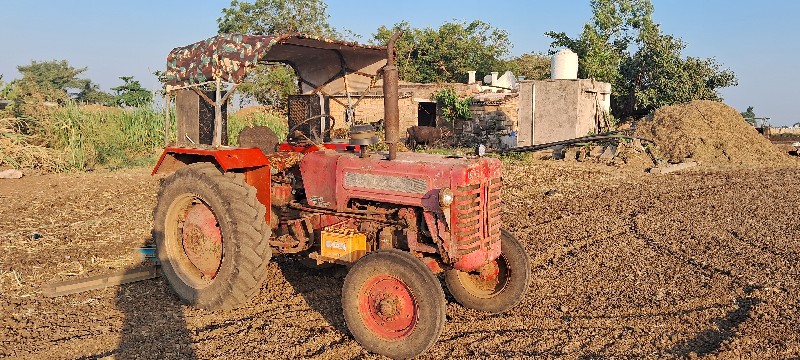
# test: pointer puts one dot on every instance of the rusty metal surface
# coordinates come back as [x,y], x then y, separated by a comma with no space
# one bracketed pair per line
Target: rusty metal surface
[391,108]
[260,178]
[202,239]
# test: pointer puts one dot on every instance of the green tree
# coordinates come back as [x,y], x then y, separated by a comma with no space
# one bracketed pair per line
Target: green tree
[273,17]
[532,66]
[622,45]
[606,38]
[91,94]
[447,53]
[5,89]
[55,74]
[270,84]
[131,93]
[57,81]
[749,116]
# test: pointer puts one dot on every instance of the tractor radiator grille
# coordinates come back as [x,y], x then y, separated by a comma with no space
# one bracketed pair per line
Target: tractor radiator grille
[476,216]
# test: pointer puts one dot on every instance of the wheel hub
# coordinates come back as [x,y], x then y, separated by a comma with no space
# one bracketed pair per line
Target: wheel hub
[202,239]
[489,271]
[388,307]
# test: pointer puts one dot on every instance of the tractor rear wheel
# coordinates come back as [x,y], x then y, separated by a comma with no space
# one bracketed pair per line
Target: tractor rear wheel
[393,304]
[500,290]
[211,237]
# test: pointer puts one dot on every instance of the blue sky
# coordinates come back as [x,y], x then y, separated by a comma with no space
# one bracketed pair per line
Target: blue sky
[757,40]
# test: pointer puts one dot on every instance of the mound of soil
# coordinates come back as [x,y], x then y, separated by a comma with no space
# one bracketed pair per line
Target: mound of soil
[710,132]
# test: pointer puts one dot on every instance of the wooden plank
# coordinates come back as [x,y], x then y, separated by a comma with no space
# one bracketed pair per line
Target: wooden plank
[187,115]
[99,281]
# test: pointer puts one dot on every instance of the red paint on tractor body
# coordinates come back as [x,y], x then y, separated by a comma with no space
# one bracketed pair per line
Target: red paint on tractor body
[305,149]
[331,179]
[259,178]
[226,158]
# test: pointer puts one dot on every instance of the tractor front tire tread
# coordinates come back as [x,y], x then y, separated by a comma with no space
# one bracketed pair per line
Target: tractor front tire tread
[423,283]
[519,263]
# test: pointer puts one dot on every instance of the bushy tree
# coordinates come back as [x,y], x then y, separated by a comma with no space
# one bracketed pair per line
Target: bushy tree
[274,17]
[532,66]
[623,46]
[56,74]
[5,89]
[446,54]
[57,81]
[131,93]
[91,94]
[750,116]
[271,84]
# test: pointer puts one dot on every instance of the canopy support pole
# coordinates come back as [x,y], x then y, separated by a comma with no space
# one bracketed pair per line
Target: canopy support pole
[217,141]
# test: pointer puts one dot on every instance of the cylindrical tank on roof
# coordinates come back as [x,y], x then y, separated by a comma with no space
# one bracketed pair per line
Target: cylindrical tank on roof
[564,65]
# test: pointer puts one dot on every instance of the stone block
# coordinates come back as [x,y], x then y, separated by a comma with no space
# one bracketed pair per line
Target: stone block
[596,151]
[609,152]
[571,154]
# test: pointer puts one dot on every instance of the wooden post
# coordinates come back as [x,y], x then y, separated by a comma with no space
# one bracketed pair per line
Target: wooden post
[166,120]
[218,116]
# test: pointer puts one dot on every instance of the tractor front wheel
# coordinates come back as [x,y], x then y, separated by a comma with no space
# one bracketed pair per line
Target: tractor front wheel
[211,237]
[393,304]
[494,291]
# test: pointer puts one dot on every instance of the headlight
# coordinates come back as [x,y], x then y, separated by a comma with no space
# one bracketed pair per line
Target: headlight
[445,197]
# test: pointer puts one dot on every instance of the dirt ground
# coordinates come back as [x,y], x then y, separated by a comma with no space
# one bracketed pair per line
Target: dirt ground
[625,264]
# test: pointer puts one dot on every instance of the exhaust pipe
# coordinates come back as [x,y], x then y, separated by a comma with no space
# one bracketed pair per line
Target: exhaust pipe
[391,93]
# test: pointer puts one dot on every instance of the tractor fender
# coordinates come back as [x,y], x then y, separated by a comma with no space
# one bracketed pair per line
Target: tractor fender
[251,161]
[227,159]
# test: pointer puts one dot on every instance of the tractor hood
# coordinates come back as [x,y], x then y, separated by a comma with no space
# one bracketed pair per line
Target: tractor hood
[412,179]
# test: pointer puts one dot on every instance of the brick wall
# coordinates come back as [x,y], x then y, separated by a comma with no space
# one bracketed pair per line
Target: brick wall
[370,108]
[490,123]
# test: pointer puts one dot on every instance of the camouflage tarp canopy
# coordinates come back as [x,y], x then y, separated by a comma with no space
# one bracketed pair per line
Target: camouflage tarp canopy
[323,65]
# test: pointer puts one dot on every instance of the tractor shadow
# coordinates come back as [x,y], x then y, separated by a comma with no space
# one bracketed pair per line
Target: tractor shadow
[154,326]
[321,288]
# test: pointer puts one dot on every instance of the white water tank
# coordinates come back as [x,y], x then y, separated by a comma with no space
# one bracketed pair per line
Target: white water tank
[564,65]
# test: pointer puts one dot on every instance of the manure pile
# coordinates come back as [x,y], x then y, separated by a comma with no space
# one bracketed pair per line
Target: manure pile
[709,132]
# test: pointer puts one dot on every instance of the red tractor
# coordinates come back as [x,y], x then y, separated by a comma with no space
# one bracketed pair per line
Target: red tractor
[396,220]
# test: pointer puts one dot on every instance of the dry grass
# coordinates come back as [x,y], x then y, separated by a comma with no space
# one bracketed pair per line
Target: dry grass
[710,132]
[18,151]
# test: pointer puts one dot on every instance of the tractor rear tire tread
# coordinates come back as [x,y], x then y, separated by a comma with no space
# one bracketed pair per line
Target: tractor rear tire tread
[245,235]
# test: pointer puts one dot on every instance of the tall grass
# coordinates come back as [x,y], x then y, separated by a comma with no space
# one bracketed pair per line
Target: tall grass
[78,137]
[75,137]
[101,136]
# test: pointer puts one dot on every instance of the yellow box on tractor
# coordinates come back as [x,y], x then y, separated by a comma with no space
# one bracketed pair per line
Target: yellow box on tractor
[342,244]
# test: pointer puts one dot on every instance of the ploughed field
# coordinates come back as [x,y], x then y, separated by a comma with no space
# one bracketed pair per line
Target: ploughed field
[625,264]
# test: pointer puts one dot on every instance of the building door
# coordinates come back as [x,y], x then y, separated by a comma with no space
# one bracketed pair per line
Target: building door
[426,114]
